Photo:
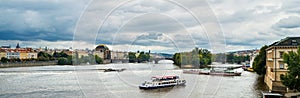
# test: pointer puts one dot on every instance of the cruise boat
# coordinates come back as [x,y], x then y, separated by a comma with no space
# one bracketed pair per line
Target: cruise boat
[162,81]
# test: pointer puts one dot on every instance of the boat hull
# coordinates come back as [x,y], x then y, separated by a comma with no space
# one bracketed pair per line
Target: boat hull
[222,74]
[155,87]
[160,86]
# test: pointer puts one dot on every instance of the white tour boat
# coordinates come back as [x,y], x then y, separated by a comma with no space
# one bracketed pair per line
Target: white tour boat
[162,81]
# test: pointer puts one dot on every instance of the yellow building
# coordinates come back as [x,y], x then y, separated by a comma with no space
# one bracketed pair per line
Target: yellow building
[28,55]
[23,55]
[2,54]
[274,62]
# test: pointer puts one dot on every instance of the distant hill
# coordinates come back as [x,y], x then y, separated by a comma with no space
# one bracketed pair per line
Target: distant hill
[165,55]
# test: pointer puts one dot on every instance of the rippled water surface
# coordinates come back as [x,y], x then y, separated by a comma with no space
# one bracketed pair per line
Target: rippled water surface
[90,81]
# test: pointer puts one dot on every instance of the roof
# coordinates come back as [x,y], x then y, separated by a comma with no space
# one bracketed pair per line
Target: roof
[288,41]
[102,46]
[165,76]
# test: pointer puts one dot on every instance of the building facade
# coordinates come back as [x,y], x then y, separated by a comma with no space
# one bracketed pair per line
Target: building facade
[103,52]
[32,55]
[12,55]
[274,62]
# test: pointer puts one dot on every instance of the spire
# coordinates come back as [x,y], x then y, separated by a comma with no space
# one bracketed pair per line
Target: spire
[18,46]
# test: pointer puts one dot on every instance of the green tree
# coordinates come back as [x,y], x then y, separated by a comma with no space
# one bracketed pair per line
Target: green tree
[177,59]
[4,60]
[259,62]
[143,57]
[43,56]
[230,58]
[132,57]
[62,61]
[197,57]
[292,78]
[98,59]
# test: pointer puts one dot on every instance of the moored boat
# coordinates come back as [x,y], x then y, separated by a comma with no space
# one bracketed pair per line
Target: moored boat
[214,71]
[162,82]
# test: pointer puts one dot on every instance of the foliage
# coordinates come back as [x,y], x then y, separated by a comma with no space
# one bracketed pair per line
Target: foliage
[197,57]
[65,61]
[59,55]
[98,59]
[143,57]
[259,62]
[132,57]
[219,57]
[177,58]
[91,59]
[292,78]
[231,58]
[138,57]
[4,60]
[43,56]
[15,60]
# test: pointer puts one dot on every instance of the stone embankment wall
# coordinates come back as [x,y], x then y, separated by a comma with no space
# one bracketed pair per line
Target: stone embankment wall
[27,64]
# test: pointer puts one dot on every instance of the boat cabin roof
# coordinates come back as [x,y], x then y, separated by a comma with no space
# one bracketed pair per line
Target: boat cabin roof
[165,77]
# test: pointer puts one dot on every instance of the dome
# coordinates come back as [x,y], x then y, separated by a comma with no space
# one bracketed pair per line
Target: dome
[102,47]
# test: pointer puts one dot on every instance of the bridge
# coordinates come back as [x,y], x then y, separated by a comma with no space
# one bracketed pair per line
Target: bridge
[158,59]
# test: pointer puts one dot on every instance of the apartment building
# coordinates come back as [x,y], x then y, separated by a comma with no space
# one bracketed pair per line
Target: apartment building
[274,62]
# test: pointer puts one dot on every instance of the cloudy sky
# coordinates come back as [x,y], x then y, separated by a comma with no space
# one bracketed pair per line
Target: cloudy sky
[156,25]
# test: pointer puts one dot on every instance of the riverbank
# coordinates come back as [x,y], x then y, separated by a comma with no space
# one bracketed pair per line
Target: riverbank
[27,64]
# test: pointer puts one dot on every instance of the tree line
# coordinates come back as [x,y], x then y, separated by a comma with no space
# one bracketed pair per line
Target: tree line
[61,58]
[199,58]
[139,57]
[235,59]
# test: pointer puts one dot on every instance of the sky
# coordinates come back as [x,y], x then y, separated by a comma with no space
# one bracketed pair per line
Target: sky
[158,25]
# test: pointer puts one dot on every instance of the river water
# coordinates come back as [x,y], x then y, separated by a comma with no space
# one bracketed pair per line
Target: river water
[89,81]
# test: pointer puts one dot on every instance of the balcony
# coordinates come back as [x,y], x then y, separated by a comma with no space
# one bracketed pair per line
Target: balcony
[277,69]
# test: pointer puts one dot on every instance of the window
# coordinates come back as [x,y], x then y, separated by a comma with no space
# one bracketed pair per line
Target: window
[294,42]
[281,66]
[281,54]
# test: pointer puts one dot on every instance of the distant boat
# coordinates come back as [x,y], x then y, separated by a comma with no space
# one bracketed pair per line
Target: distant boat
[226,72]
[110,70]
[162,82]
[222,70]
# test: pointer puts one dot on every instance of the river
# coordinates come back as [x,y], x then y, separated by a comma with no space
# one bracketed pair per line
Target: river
[88,81]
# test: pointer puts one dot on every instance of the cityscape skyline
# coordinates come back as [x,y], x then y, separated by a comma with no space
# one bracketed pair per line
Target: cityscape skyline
[147,25]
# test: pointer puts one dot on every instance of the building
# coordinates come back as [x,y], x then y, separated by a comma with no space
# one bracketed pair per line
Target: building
[18,46]
[119,55]
[274,62]
[102,51]
[32,55]
[2,54]
[18,53]
[6,46]
[23,55]
[12,55]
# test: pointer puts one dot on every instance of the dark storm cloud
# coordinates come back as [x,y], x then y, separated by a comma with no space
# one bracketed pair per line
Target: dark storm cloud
[38,20]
